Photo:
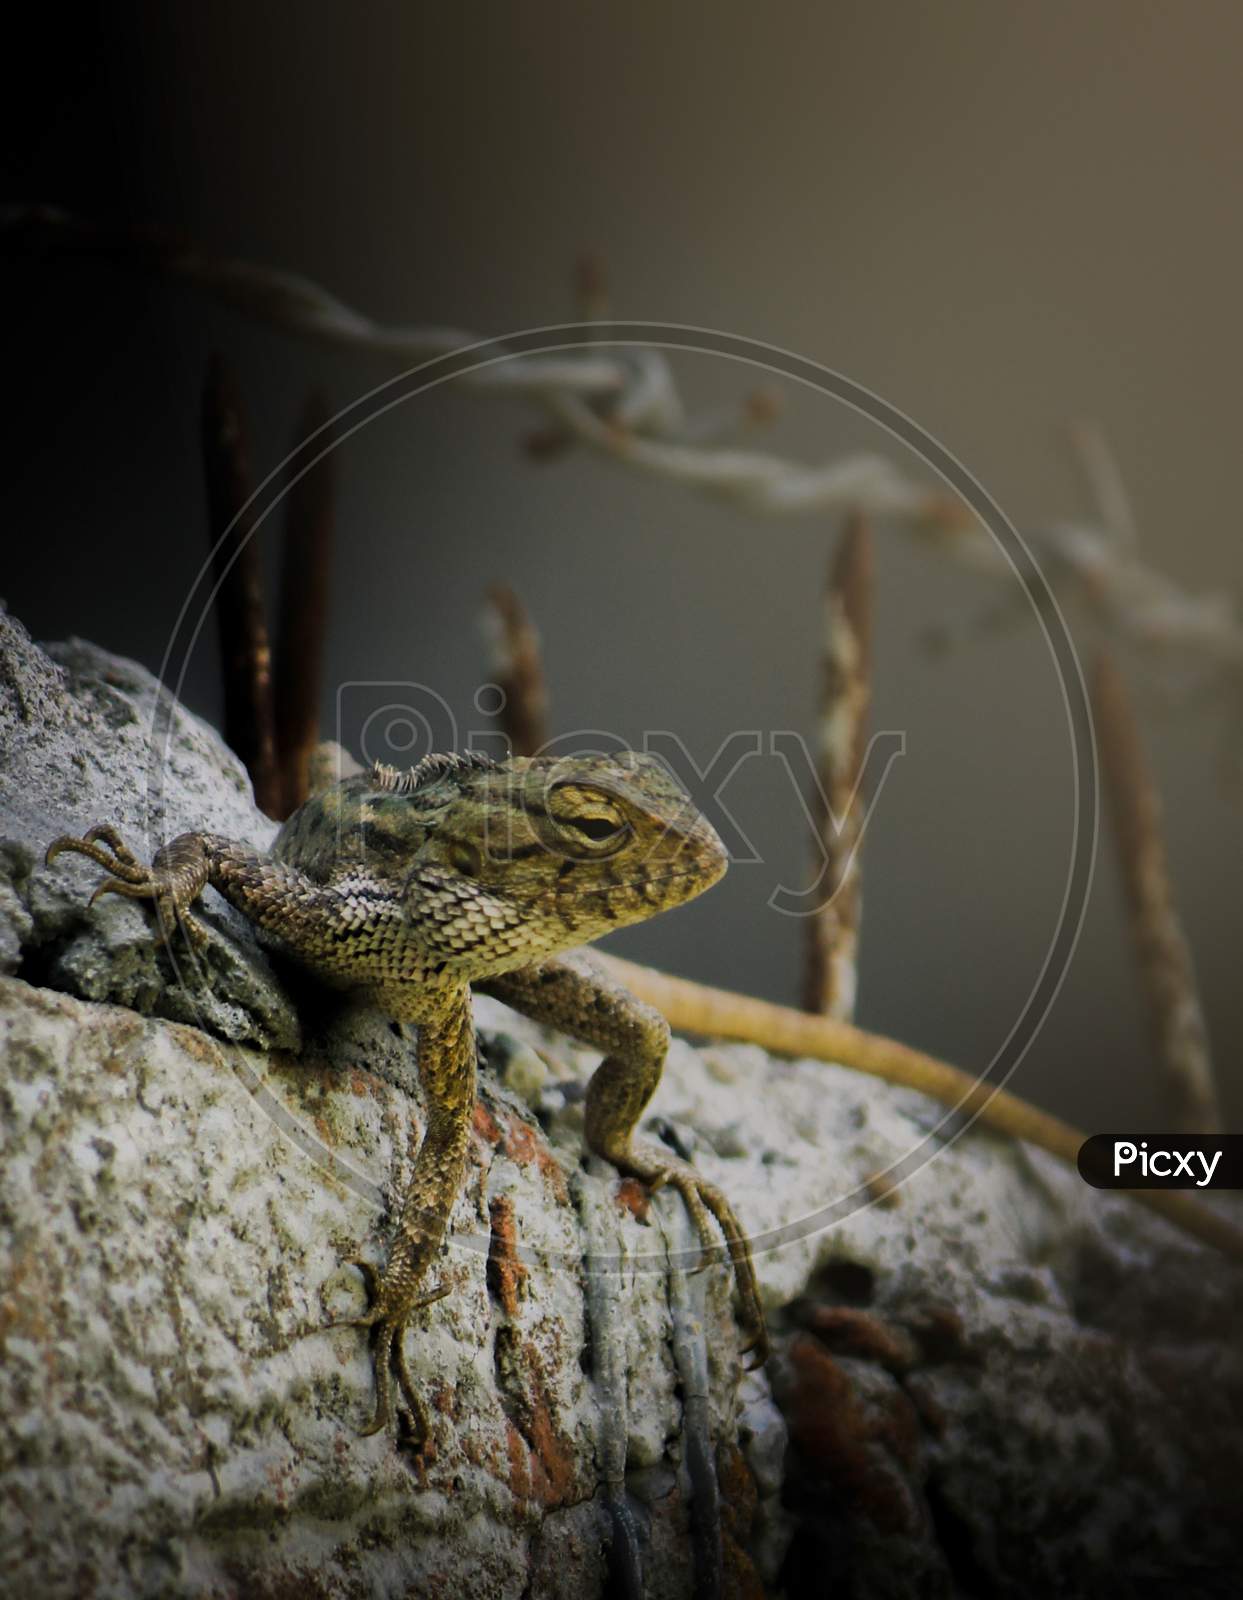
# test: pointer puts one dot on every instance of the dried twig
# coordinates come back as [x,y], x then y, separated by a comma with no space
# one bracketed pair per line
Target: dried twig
[304,604]
[846,693]
[642,425]
[519,671]
[591,304]
[246,661]
[1103,478]
[1166,969]
[290,301]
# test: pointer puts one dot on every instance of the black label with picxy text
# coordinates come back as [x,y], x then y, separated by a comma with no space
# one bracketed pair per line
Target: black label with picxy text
[1162,1161]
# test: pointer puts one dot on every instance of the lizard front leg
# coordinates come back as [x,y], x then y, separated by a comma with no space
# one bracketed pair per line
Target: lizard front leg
[273,895]
[447,1072]
[349,938]
[574,996]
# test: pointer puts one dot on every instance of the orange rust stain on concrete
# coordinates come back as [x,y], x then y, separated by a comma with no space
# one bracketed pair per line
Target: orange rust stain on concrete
[848,1331]
[859,1447]
[24,1308]
[742,1581]
[485,1124]
[363,1084]
[444,1400]
[519,1477]
[552,1460]
[549,1476]
[196,1045]
[739,1496]
[524,1145]
[739,1503]
[634,1197]
[507,1277]
[308,1080]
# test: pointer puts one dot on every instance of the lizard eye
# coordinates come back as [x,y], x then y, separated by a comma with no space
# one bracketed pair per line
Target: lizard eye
[592,817]
[597,829]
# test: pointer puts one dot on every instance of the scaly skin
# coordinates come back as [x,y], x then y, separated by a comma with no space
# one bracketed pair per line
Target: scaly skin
[408,888]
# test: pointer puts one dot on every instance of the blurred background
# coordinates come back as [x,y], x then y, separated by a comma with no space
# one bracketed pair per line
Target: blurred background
[1003,220]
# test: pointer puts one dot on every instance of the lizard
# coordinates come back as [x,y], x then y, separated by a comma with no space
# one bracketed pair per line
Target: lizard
[410,887]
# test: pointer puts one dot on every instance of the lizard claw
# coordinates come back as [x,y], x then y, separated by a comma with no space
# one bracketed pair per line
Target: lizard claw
[370,1276]
[758,1348]
[704,1201]
[124,855]
[129,877]
[389,1327]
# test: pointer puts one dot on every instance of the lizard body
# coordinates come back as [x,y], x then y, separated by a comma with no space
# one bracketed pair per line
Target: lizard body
[407,888]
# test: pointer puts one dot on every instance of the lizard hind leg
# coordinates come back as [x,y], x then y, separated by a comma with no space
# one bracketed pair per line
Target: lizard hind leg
[390,1346]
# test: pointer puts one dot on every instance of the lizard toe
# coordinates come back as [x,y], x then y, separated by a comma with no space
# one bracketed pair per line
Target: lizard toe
[704,1201]
[757,1350]
[389,1327]
[420,1436]
[117,858]
[383,1418]
[112,838]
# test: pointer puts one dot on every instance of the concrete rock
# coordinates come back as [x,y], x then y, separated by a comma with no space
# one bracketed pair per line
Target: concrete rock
[86,737]
[994,1381]
[176,1206]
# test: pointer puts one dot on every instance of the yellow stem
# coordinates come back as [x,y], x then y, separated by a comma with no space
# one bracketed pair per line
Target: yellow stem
[697,1008]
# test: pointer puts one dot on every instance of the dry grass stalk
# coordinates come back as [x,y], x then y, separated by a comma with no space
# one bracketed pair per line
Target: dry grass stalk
[306,566]
[246,659]
[519,670]
[833,932]
[1164,957]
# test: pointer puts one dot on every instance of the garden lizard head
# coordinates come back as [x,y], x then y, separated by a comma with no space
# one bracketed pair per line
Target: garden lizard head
[501,863]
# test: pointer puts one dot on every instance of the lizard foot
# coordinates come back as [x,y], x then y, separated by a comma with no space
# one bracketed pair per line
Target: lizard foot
[704,1201]
[388,1324]
[173,881]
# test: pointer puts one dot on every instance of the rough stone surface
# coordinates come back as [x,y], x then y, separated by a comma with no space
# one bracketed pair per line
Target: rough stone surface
[165,1242]
[992,1382]
[87,737]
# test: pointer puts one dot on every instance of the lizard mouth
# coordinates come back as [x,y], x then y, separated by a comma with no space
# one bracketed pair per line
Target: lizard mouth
[634,885]
[665,877]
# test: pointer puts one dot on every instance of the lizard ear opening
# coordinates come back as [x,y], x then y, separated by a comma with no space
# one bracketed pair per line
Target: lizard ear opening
[464,858]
